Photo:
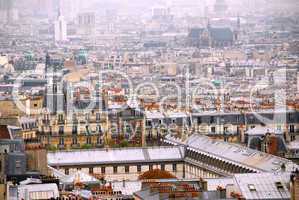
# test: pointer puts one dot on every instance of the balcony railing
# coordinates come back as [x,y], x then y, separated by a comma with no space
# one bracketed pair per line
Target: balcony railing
[61,146]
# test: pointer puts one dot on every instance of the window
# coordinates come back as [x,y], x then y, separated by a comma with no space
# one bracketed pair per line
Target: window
[238,118]
[225,129]
[238,130]
[99,140]
[174,167]
[60,118]
[163,167]
[87,117]
[61,141]
[99,129]
[74,141]
[41,195]
[18,164]
[88,140]
[35,105]
[127,169]
[103,171]
[61,130]
[213,129]
[138,168]
[292,128]
[114,169]
[98,116]
[279,185]
[212,119]
[90,170]
[148,123]
[75,130]
[199,121]
[150,167]
[87,130]
[67,171]
[75,120]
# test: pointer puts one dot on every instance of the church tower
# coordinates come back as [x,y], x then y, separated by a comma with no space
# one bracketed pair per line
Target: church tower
[237,31]
[54,97]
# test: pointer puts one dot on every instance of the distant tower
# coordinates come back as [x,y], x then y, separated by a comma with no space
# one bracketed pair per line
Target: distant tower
[238,29]
[7,11]
[60,28]
[54,98]
[220,7]
[48,62]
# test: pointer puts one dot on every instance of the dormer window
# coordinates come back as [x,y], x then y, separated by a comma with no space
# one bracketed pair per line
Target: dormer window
[279,185]
[251,187]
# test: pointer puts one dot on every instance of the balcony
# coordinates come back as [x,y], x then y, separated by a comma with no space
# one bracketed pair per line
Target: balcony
[46,122]
[60,122]
[129,117]
[99,145]
[61,146]
[75,146]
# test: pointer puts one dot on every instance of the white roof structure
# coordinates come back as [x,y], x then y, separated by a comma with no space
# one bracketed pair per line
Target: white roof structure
[25,119]
[177,115]
[264,185]
[294,145]
[79,176]
[38,191]
[263,131]
[127,187]
[154,115]
[255,185]
[214,183]
[115,156]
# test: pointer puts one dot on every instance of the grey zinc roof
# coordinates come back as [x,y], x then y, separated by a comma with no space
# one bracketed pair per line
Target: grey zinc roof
[263,185]
[222,34]
[111,156]
[195,32]
[213,183]
[237,154]
[127,187]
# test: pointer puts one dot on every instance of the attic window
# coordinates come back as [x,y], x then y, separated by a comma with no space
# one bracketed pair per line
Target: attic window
[279,185]
[251,187]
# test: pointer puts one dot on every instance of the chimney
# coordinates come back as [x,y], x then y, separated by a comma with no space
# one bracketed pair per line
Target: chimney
[295,185]
[222,192]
